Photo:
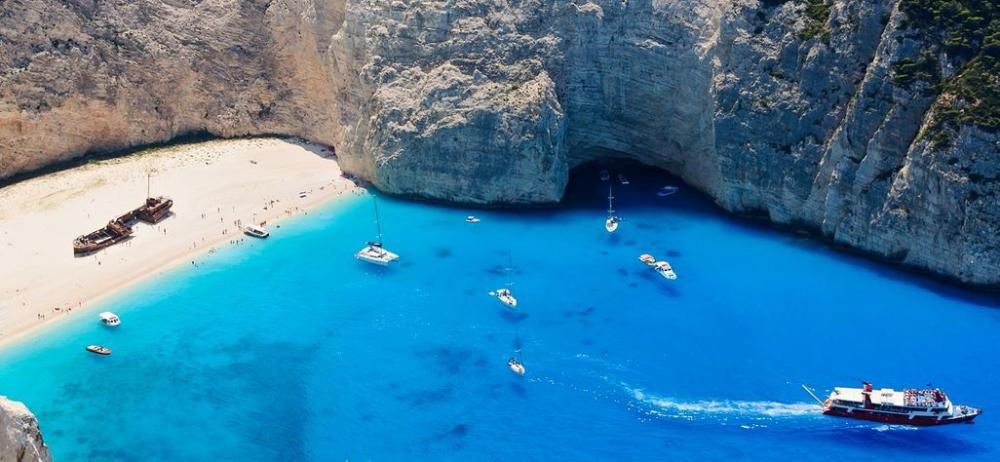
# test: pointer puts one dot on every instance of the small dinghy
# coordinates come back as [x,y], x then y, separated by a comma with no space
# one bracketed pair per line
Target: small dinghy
[515,366]
[110,319]
[667,191]
[471,219]
[665,270]
[623,180]
[648,259]
[506,297]
[605,175]
[97,349]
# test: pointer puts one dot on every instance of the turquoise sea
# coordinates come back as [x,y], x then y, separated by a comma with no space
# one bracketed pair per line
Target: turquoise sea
[291,350]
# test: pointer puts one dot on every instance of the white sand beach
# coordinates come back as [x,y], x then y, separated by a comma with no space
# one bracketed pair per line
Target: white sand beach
[213,184]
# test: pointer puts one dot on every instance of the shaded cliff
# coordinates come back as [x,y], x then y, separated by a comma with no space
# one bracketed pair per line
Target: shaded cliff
[863,121]
[20,439]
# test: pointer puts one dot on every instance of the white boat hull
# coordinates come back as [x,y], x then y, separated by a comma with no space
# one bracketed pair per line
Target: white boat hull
[376,256]
[611,225]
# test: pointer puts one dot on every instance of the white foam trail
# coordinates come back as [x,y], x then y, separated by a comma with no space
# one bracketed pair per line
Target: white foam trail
[752,409]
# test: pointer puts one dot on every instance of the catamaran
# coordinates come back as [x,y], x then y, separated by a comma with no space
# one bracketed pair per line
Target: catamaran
[373,252]
[611,224]
[911,406]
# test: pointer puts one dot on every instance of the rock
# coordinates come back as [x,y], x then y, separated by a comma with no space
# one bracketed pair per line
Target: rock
[770,109]
[20,438]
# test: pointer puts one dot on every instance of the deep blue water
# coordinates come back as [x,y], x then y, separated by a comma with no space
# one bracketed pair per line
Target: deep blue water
[289,349]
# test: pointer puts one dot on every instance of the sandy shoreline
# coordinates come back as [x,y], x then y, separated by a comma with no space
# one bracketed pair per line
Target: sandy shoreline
[213,184]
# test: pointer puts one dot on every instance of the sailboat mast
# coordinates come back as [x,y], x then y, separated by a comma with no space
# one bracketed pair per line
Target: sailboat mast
[378,222]
[611,207]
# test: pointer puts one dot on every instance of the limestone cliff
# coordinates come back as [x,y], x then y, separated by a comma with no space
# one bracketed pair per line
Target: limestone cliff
[20,439]
[825,115]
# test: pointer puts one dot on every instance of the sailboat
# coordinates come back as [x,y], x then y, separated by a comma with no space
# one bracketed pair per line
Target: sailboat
[514,364]
[504,294]
[611,224]
[373,252]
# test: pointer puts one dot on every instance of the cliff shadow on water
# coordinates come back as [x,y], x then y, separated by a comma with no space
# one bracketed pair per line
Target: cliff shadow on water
[586,190]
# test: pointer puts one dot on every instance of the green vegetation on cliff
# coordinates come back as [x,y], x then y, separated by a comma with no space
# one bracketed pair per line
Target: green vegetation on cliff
[968,32]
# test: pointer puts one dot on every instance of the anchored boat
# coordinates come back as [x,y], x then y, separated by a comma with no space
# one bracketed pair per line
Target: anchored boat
[910,406]
[374,252]
[256,231]
[110,319]
[99,350]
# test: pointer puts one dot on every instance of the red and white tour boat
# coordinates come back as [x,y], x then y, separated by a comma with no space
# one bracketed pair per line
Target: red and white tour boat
[919,407]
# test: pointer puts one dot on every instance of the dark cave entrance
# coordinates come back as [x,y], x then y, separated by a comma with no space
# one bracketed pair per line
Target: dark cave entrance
[586,189]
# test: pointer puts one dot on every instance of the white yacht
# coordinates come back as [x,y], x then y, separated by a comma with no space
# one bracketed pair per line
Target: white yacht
[373,252]
[506,297]
[256,231]
[648,259]
[611,224]
[472,219]
[516,366]
[665,270]
[109,319]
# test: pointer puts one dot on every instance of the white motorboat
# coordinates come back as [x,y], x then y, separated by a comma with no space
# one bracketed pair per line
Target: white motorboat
[506,297]
[109,319]
[100,350]
[605,175]
[665,270]
[256,231]
[516,366]
[667,191]
[374,252]
[623,180]
[648,259]
[471,219]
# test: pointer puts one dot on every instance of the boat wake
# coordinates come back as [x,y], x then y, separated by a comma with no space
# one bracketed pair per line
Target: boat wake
[660,406]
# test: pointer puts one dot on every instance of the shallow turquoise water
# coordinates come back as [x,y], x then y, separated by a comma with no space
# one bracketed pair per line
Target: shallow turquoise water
[289,349]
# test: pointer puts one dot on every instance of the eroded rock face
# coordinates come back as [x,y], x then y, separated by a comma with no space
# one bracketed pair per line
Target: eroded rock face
[493,101]
[20,439]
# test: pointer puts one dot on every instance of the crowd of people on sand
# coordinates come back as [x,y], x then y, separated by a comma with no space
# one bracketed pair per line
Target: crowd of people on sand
[238,224]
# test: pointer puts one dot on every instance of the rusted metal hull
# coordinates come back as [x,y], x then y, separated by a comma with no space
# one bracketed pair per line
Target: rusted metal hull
[120,229]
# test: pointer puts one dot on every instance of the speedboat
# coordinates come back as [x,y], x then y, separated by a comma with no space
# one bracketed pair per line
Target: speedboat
[506,297]
[516,366]
[611,224]
[667,191]
[622,179]
[605,175]
[109,319]
[97,349]
[910,406]
[648,259]
[471,219]
[665,270]
[256,231]
[375,253]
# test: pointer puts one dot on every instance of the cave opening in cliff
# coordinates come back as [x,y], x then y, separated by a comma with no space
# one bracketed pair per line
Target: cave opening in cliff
[586,188]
